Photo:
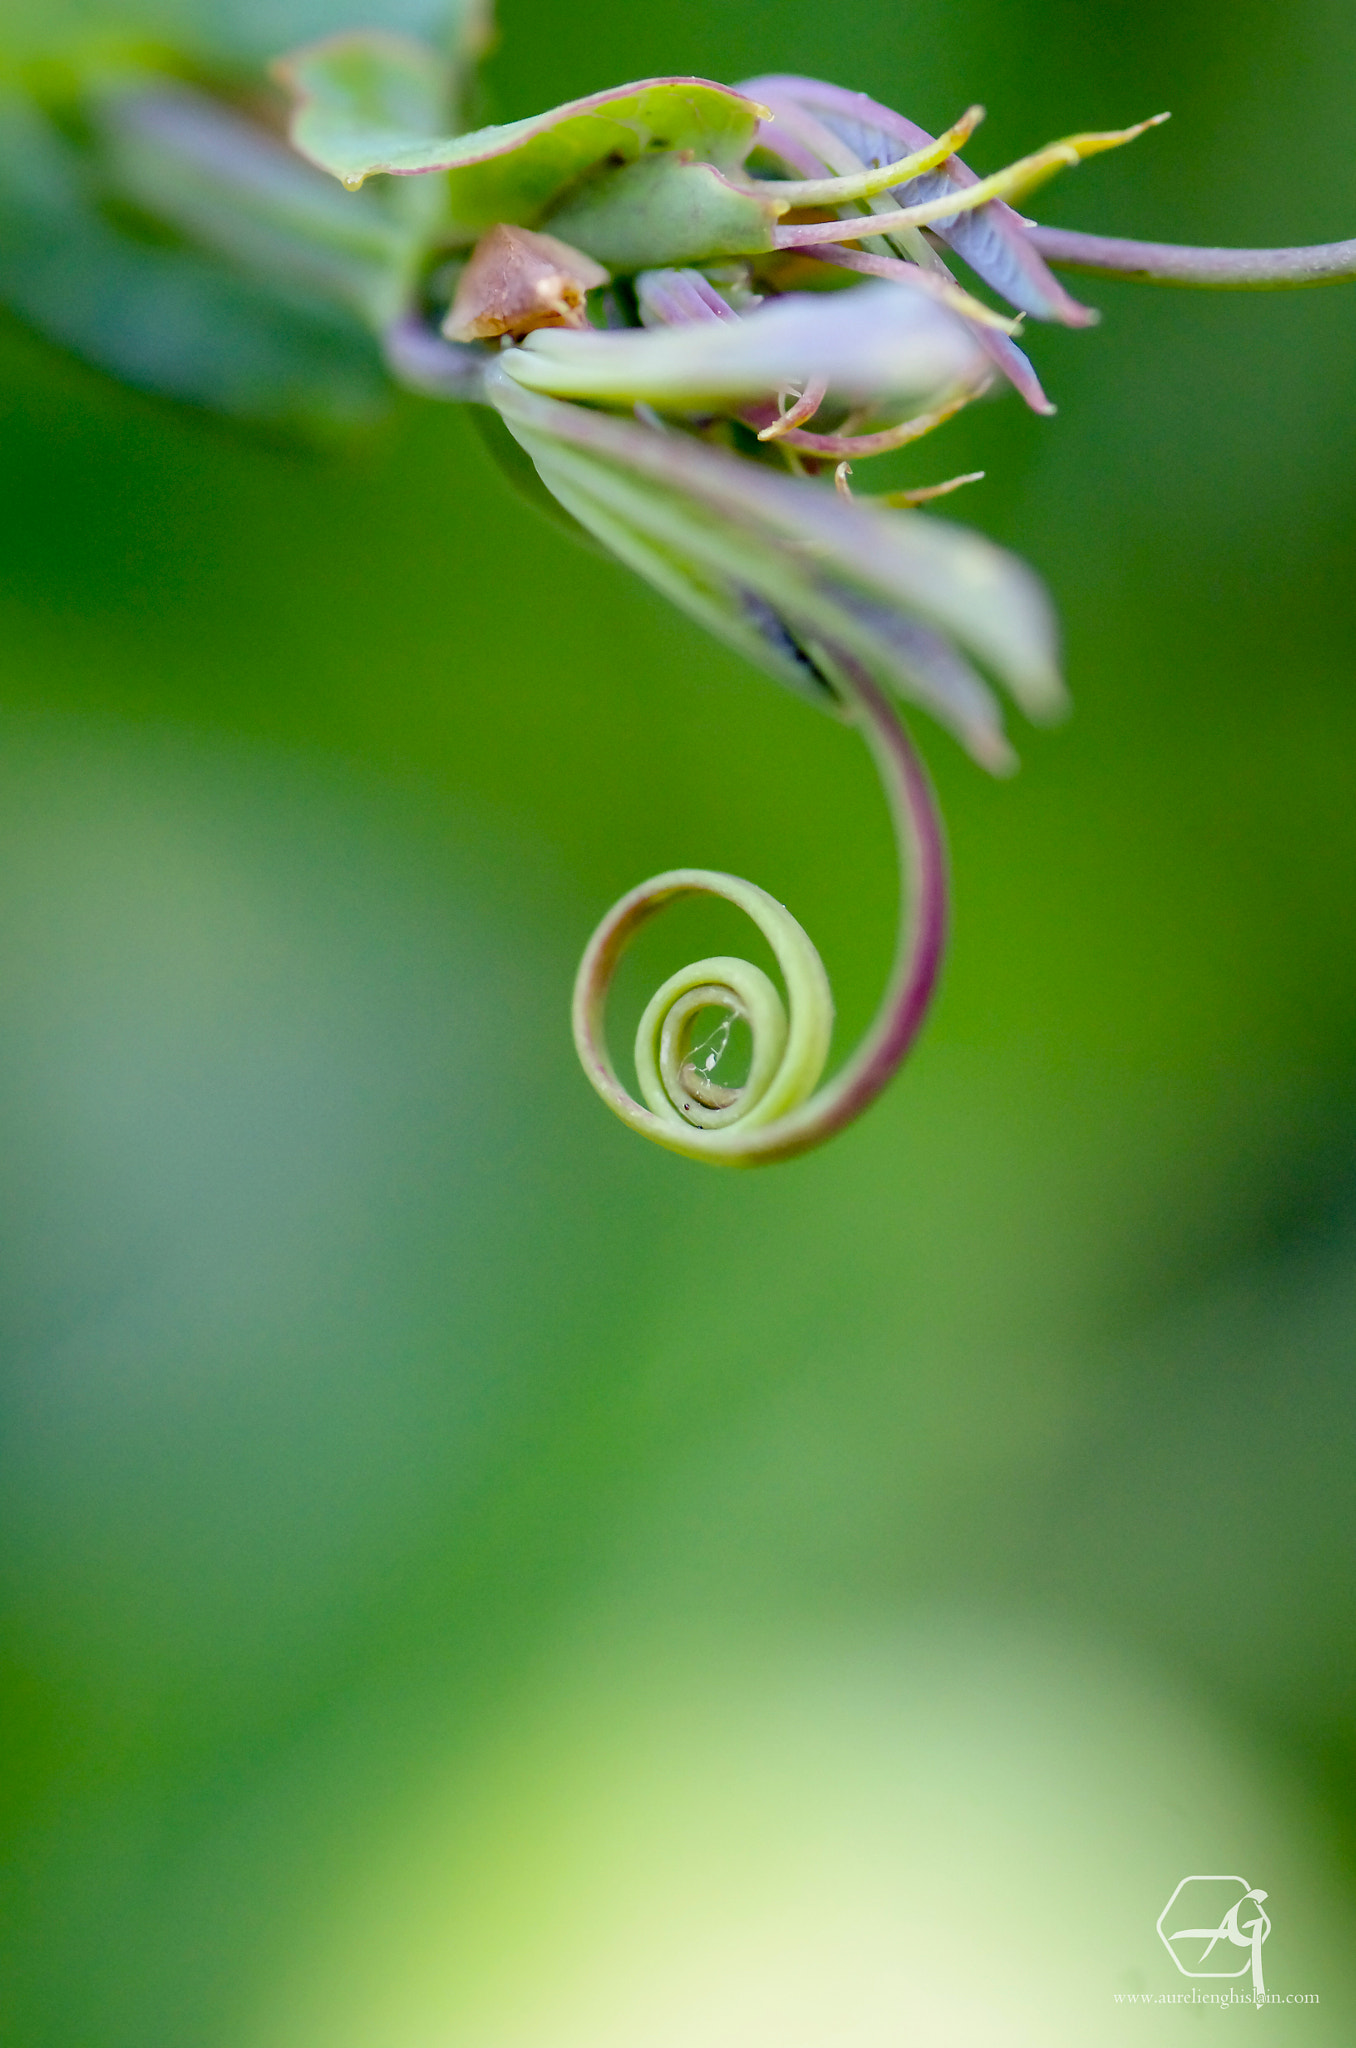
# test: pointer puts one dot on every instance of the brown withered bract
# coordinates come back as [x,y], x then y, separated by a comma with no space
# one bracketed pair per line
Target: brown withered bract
[517,280]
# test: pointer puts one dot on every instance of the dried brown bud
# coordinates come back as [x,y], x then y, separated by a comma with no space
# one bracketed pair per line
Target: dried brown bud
[517,280]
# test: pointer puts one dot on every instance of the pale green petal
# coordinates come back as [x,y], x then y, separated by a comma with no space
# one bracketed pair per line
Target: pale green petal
[880,342]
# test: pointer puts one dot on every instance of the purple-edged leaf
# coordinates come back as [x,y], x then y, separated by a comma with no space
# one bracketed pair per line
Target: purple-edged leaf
[880,344]
[995,342]
[794,618]
[991,240]
[369,104]
[1017,367]
[367,101]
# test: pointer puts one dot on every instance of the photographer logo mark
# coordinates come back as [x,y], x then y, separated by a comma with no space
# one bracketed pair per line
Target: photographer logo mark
[1207,1920]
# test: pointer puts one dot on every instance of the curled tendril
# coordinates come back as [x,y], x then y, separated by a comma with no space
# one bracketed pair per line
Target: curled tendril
[777,1112]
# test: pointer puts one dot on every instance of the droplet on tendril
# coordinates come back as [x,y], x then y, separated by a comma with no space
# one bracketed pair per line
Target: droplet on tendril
[697,1072]
[708,1052]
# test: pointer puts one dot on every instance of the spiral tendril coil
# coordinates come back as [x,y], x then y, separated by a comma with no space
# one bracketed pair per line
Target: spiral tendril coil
[776,1113]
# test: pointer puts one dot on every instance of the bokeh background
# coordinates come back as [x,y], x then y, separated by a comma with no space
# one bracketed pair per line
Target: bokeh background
[474,1581]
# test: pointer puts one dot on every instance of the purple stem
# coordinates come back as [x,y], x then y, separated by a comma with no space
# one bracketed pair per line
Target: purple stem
[422,361]
[922,940]
[918,952]
[1171,263]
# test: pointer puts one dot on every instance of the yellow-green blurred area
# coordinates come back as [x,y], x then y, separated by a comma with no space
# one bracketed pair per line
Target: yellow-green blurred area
[472,1580]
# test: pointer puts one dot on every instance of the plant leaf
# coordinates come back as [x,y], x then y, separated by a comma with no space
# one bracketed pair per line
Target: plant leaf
[733,612]
[367,104]
[661,211]
[168,319]
[367,101]
[713,566]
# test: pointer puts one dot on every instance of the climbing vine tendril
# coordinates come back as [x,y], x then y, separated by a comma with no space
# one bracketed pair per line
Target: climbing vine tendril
[779,1110]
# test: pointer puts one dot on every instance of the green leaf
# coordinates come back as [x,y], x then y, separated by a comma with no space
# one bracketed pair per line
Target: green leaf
[365,105]
[660,211]
[517,469]
[166,318]
[364,101]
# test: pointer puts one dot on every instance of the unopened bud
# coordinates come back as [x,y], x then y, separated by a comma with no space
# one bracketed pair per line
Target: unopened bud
[517,280]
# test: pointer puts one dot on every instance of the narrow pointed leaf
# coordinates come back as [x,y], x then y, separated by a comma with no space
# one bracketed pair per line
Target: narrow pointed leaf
[708,563]
[945,575]
[992,240]
[733,613]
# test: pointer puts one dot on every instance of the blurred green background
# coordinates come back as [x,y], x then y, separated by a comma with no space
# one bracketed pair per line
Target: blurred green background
[470,1578]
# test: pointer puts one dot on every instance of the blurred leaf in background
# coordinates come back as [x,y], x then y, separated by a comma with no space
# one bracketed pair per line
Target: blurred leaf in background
[471,1579]
[164,316]
[166,232]
[240,34]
